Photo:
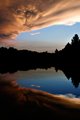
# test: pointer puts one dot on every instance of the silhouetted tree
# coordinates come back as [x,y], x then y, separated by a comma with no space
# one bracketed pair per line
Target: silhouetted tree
[68,45]
[75,83]
[56,51]
[75,39]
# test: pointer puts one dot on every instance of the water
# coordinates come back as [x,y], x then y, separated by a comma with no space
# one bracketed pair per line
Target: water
[46,80]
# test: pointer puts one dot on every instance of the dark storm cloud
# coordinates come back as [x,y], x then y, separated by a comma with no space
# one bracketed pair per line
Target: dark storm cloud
[17,16]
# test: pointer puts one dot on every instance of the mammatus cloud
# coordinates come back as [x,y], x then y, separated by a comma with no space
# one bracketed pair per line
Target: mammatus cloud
[17,16]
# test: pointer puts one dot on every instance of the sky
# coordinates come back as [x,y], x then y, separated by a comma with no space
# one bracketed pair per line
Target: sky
[41,25]
[47,39]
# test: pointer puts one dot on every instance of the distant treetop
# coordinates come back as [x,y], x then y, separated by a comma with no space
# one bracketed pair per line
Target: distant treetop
[75,39]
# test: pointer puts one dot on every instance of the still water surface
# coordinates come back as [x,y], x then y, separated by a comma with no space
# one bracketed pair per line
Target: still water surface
[47,80]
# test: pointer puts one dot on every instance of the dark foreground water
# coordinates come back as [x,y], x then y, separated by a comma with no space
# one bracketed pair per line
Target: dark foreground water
[19,102]
[47,80]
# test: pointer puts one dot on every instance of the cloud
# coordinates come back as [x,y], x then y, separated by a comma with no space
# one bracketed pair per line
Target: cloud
[17,16]
[36,86]
[69,95]
[36,33]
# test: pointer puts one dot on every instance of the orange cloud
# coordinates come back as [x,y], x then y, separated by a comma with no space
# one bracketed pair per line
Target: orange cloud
[26,15]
